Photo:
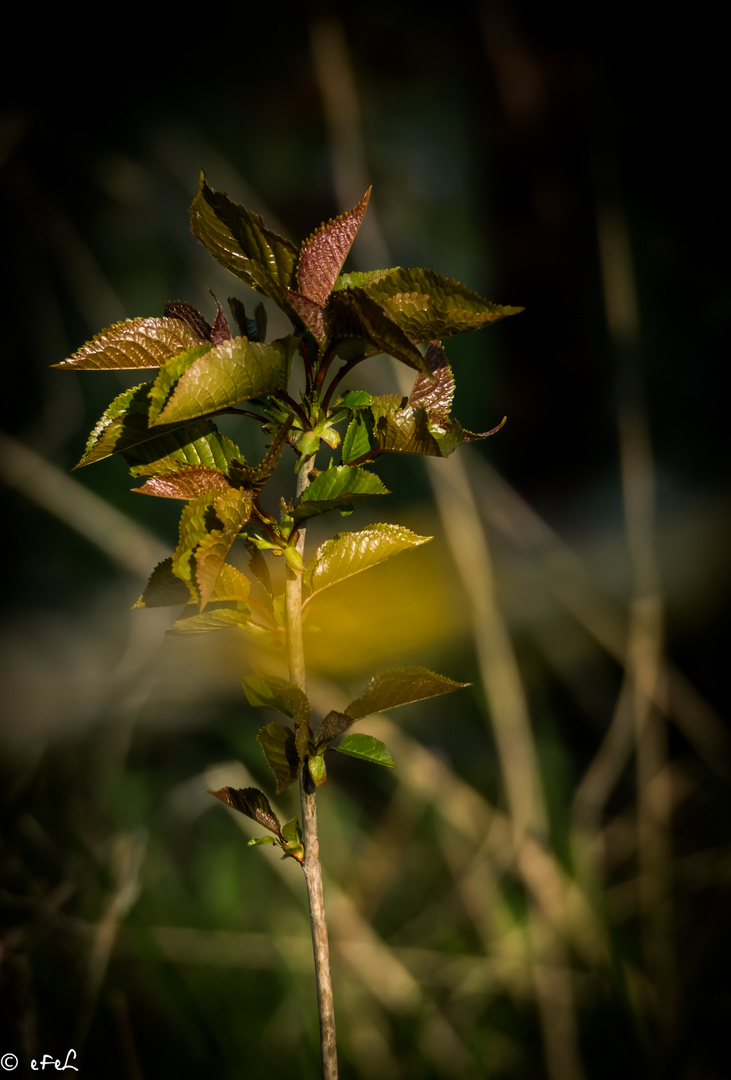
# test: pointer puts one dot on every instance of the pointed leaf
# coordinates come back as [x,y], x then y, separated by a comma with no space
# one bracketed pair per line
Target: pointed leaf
[406,431]
[191,316]
[350,314]
[434,395]
[357,439]
[277,742]
[236,370]
[253,803]
[198,443]
[349,553]
[292,831]
[271,692]
[134,343]
[209,525]
[324,253]
[426,305]
[239,240]
[400,686]
[366,747]
[339,486]
[255,841]
[358,278]
[170,374]
[185,483]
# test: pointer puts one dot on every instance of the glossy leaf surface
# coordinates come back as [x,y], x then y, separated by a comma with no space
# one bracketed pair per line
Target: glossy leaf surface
[400,686]
[234,371]
[134,343]
[253,803]
[426,305]
[324,253]
[239,240]
[208,526]
[336,487]
[366,747]
[349,553]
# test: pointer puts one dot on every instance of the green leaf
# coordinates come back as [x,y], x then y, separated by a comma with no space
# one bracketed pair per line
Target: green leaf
[350,314]
[253,803]
[400,686]
[357,440]
[291,832]
[358,278]
[355,399]
[406,431]
[366,747]
[134,343]
[426,305]
[256,840]
[196,443]
[349,553]
[269,691]
[169,375]
[336,487]
[237,370]
[165,589]
[278,744]
[323,254]
[209,525]
[318,771]
[239,240]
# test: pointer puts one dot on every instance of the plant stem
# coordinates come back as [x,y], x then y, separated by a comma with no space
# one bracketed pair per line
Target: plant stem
[311,865]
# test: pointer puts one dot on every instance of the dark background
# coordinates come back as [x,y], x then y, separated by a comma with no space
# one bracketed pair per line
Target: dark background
[511,146]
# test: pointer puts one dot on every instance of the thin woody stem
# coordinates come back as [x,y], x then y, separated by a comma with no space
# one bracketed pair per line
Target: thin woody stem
[311,864]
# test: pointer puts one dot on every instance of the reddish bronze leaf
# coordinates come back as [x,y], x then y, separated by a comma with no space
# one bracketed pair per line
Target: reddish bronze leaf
[186,313]
[253,803]
[434,395]
[185,483]
[324,253]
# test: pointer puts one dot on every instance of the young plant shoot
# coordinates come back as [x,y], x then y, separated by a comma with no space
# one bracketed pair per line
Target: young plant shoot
[165,429]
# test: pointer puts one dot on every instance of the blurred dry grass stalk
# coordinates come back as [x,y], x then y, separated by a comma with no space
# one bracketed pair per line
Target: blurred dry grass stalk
[557,950]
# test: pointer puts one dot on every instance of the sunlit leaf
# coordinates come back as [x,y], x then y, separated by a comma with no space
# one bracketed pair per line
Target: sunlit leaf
[191,316]
[209,525]
[317,768]
[339,486]
[366,747]
[239,240]
[349,553]
[186,483]
[427,306]
[271,692]
[400,686]
[357,440]
[234,371]
[198,443]
[323,254]
[406,431]
[253,803]
[434,395]
[358,278]
[277,742]
[134,343]
[256,841]
[352,314]
[233,510]
[169,375]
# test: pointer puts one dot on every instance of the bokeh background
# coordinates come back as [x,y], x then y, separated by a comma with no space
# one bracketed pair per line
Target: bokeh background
[542,887]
